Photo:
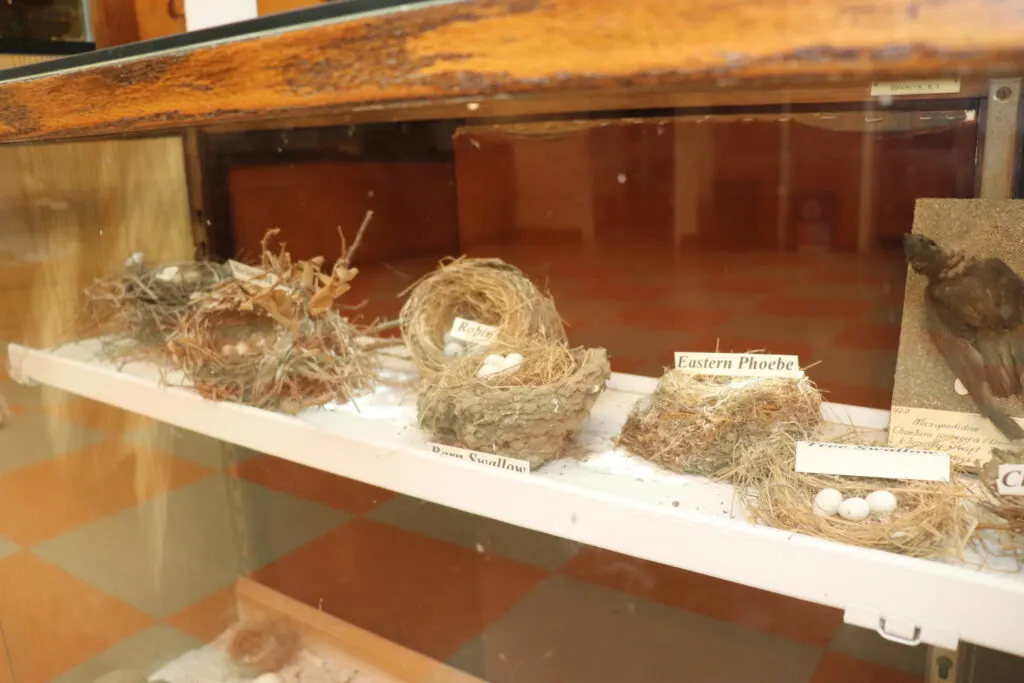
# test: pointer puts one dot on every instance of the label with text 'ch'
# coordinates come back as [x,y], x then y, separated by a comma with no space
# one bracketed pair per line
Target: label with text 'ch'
[489,460]
[473,332]
[1011,480]
[938,86]
[882,462]
[739,364]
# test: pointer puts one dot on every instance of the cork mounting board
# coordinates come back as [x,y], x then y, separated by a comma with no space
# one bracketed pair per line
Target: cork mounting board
[927,411]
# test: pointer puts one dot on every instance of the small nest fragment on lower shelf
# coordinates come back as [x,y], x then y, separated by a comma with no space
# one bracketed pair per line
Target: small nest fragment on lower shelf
[532,412]
[263,646]
[272,339]
[712,425]
[933,519]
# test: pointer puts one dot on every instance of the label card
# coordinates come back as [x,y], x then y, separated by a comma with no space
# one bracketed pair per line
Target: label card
[965,436]
[499,462]
[1011,480]
[851,460]
[739,364]
[939,86]
[473,332]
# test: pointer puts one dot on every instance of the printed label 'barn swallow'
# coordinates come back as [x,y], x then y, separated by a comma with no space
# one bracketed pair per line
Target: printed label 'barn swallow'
[974,310]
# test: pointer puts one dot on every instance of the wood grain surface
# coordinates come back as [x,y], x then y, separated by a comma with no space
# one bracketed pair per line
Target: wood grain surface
[485,48]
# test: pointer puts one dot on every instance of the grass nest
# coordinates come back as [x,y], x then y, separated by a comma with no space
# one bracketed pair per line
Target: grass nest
[487,291]
[144,305]
[532,412]
[1010,509]
[271,338]
[933,519]
[702,424]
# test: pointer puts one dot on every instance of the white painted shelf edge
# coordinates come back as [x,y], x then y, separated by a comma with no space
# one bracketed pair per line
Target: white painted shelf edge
[608,499]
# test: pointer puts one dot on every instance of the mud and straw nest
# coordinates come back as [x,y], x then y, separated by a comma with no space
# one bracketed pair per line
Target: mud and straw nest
[272,338]
[702,424]
[531,412]
[487,291]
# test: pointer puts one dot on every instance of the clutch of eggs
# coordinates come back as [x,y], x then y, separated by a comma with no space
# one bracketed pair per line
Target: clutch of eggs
[829,502]
[495,364]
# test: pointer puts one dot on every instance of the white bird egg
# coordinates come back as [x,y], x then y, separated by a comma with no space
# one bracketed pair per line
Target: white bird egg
[959,387]
[854,509]
[882,503]
[827,502]
[486,370]
[511,362]
[269,678]
[242,348]
[495,360]
[449,338]
[454,349]
[229,349]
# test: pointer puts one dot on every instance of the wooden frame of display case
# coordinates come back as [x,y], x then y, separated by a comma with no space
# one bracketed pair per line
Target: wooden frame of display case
[475,55]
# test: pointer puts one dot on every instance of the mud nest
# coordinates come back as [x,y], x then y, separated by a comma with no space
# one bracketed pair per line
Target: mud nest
[532,412]
[143,305]
[265,646]
[703,424]
[933,520]
[487,291]
[272,338]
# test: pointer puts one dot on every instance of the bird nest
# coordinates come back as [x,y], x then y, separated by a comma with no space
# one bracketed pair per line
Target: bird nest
[143,305]
[271,337]
[934,519]
[701,424]
[1008,509]
[532,412]
[487,291]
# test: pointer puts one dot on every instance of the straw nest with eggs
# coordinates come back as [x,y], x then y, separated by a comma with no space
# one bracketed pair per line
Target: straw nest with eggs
[932,519]
[487,291]
[144,304]
[703,424]
[1008,510]
[272,338]
[523,400]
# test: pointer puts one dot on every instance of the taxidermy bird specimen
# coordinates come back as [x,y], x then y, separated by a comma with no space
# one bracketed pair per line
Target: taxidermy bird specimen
[974,314]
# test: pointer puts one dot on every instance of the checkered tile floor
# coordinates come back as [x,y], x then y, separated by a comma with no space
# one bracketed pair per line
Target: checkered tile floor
[93,579]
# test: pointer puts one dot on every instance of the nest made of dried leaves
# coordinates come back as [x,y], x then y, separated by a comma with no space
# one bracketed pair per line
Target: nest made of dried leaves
[272,337]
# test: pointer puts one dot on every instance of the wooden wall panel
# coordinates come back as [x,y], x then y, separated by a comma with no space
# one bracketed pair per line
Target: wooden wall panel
[484,48]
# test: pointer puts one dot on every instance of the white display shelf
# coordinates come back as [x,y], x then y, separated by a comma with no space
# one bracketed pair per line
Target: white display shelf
[605,498]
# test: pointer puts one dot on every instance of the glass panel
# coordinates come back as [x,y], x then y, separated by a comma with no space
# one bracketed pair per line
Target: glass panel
[44,20]
[130,543]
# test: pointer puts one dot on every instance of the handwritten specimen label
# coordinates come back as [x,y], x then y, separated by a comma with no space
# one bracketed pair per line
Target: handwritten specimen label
[499,462]
[473,332]
[851,460]
[965,436]
[940,86]
[739,364]
[1011,480]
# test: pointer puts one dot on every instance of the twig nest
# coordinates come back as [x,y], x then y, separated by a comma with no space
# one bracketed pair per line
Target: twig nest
[882,503]
[827,502]
[486,291]
[263,647]
[532,410]
[704,424]
[854,509]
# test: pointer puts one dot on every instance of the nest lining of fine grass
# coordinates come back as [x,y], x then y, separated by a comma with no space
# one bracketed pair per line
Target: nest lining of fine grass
[143,305]
[745,430]
[933,519]
[532,413]
[483,290]
[274,340]
[702,424]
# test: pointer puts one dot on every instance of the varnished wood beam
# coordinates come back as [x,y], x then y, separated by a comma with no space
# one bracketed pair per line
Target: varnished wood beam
[484,49]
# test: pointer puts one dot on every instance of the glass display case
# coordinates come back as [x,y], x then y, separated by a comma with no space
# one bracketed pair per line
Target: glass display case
[517,342]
